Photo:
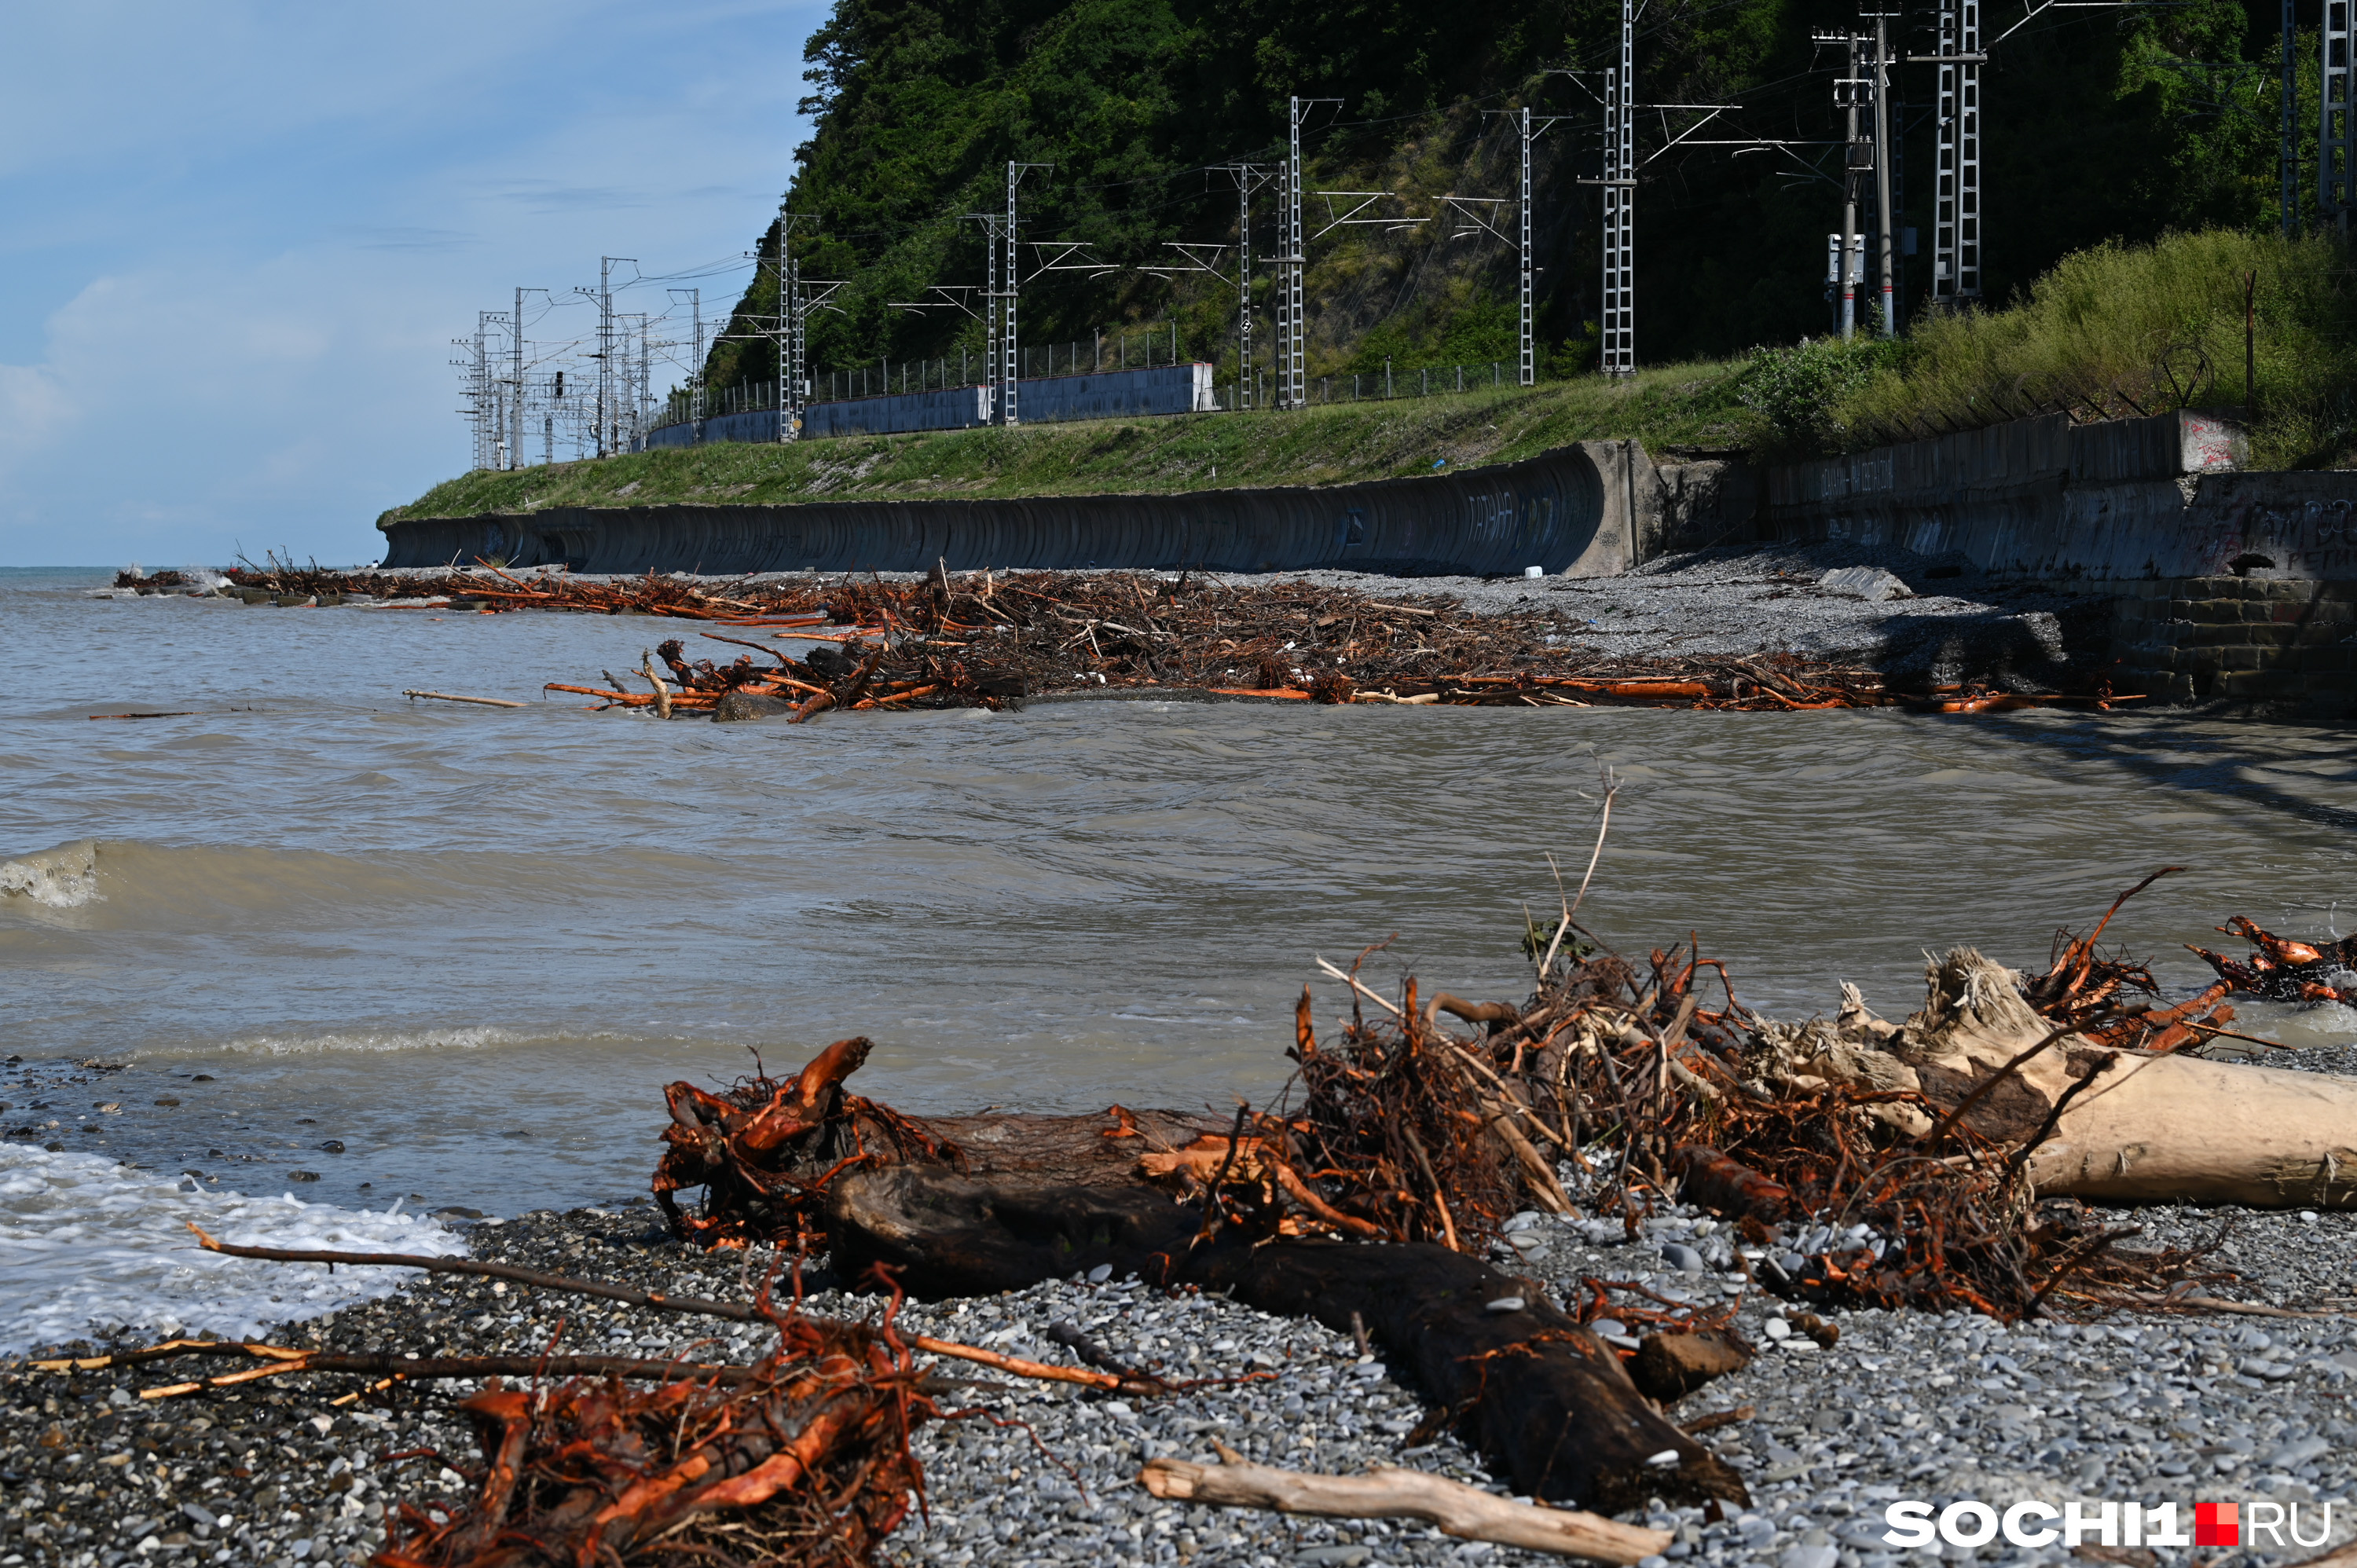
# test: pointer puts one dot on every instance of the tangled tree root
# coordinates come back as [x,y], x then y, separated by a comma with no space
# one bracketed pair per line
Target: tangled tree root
[806,1461]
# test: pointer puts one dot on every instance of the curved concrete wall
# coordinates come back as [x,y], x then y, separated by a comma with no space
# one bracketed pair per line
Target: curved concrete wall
[1571,512]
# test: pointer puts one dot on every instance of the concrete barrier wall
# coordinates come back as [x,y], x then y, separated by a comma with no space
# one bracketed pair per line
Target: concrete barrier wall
[2021,455]
[1106,394]
[1582,510]
[2132,498]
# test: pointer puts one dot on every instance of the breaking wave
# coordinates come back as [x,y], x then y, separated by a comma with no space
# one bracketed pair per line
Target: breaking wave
[65,878]
[94,1248]
[131,885]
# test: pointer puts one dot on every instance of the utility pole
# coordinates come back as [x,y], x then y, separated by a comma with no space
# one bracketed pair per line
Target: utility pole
[515,381]
[790,347]
[992,304]
[2289,152]
[1882,172]
[485,440]
[1246,177]
[515,424]
[605,437]
[1527,261]
[1858,161]
[696,378]
[605,349]
[1957,196]
[1850,181]
[2336,148]
[641,405]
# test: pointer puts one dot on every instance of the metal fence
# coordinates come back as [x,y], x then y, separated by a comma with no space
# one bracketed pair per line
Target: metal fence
[911,377]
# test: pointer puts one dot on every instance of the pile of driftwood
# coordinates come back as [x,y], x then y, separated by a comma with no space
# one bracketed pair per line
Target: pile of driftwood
[801,1457]
[1944,1161]
[990,640]
[983,639]
[804,1458]
[2281,969]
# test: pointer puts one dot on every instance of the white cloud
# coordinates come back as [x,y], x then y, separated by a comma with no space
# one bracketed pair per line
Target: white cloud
[243,237]
[34,406]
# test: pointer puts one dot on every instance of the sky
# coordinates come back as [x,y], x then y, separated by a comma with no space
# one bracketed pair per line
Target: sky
[237,241]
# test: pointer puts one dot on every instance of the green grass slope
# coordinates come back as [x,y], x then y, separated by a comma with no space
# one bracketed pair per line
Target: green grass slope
[2151,326]
[1333,444]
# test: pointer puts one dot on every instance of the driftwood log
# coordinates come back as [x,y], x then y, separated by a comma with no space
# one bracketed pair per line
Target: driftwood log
[1525,1383]
[1098,1150]
[2103,1123]
[1466,1512]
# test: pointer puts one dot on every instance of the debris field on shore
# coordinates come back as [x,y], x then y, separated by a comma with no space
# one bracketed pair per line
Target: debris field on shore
[1791,1201]
[998,639]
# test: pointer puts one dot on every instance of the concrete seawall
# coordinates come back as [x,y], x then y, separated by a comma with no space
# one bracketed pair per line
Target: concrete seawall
[2225,588]
[2044,500]
[1590,510]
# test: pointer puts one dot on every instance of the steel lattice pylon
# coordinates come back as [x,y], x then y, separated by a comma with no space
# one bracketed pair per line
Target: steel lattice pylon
[789,332]
[1619,310]
[1291,350]
[1956,216]
[1009,363]
[1528,359]
[990,317]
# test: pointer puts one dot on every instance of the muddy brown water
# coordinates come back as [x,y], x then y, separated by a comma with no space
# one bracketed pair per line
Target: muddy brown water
[470,944]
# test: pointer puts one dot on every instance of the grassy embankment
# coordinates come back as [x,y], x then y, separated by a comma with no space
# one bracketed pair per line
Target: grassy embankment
[1321,446]
[2121,328]
[2162,324]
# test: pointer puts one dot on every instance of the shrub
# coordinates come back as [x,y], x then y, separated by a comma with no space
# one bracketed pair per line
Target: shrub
[1797,393]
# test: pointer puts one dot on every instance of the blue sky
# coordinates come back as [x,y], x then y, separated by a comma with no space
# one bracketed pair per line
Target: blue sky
[236,241]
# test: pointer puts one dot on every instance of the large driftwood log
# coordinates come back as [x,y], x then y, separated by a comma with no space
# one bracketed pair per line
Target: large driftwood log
[2183,1130]
[1100,1149]
[1527,1384]
[1466,1512]
[2115,1125]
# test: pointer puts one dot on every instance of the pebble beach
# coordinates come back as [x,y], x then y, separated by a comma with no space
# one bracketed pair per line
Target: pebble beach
[2151,1407]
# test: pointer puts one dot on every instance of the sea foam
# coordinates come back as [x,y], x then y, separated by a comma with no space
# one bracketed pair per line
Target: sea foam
[65,878]
[89,1248]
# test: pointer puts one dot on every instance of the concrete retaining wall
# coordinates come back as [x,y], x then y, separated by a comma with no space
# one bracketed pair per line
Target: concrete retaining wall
[2023,456]
[1587,511]
[1106,394]
[2285,648]
[2225,588]
[2043,498]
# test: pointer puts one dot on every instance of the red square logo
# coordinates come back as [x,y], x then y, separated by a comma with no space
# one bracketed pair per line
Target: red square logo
[2217,1524]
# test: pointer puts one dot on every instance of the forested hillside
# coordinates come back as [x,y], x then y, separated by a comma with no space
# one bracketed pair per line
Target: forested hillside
[2100,124]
